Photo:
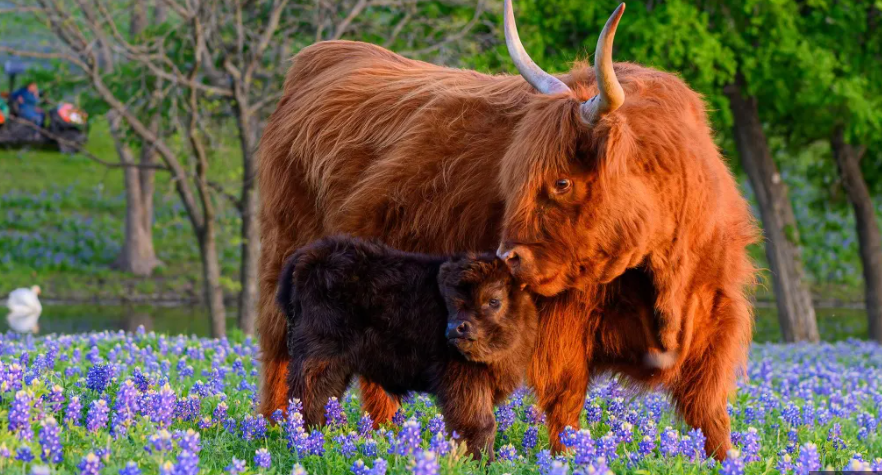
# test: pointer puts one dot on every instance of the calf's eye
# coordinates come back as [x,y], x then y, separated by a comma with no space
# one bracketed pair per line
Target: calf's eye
[494,303]
[562,185]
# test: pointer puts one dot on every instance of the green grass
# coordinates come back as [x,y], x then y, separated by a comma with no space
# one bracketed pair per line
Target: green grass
[49,196]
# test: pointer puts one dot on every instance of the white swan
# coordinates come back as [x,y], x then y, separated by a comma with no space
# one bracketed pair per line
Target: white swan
[24,309]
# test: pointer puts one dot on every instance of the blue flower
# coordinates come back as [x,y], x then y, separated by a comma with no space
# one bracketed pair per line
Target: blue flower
[262,458]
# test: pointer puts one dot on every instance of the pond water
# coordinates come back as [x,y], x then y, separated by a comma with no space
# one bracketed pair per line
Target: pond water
[834,323]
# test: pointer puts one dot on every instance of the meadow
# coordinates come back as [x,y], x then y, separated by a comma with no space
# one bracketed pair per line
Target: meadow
[130,403]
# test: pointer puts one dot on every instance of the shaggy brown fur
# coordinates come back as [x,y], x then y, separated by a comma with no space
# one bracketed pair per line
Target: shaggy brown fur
[459,328]
[439,160]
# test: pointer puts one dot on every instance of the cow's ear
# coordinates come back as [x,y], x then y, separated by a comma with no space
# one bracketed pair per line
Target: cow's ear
[615,146]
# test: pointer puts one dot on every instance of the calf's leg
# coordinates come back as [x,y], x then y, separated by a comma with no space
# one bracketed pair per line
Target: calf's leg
[314,381]
[468,410]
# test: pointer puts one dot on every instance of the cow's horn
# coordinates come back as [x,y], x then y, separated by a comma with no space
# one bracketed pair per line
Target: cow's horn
[542,81]
[611,94]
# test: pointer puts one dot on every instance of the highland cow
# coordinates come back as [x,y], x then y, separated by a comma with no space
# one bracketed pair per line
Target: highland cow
[602,188]
[459,328]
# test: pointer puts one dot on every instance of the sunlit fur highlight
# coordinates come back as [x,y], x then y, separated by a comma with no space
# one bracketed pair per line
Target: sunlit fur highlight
[439,160]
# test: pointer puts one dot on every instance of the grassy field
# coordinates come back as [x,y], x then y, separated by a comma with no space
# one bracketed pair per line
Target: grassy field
[62,219]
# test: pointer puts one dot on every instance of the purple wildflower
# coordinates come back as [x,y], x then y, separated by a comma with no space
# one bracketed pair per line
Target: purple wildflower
[97,377]
[334,413]
[90,465]
[262,458]
[97,417]
[235,467]
[507,453]
[733,465]
[131,468]
[426,463]
[50,445]
[531,438]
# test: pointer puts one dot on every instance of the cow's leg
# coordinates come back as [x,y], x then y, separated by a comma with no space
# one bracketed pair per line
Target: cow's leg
[708,375]
[559,367]
[377,402]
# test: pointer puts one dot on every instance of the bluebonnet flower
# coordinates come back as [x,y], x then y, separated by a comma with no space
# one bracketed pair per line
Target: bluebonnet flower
[365,425]
[835,436]
[808,459]
[398,418]
[24,454]
[670,442]
[439,444]
[316,443]
[750,445]
[507,453]
[188,440]
[531,438]
[379,467]
[334,413]
[534,415]
[359,468]
[220,412]
[784,463]
[369,448]
[50,445]
[235,467]
[505,417]
[262,458]
[20,415]
[161,441]
[97,417]
[585,451]
[426,463]
[277,416]
[733,465]
[408,439]
[164,406]
[346,444]
[646,446]
[436,424]
[131,468]
[187,463]
[90,465]
[97,377]
[253,427]
[607,446]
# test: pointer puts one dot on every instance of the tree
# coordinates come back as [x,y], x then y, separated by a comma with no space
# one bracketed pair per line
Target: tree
[836,98]
[112,84]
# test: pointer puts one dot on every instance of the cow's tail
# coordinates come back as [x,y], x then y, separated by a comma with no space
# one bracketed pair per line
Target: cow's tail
[287,296]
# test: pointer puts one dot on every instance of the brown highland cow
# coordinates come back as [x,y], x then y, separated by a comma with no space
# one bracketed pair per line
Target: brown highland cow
[602,188]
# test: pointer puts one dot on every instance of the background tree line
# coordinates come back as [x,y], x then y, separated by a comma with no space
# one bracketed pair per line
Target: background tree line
[793,89]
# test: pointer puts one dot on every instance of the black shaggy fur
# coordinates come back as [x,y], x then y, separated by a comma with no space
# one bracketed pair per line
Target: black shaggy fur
[459,328]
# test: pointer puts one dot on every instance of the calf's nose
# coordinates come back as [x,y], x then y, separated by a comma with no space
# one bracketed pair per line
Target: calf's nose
[458,330]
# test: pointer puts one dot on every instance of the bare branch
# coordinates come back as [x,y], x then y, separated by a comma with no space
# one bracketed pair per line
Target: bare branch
[356,10]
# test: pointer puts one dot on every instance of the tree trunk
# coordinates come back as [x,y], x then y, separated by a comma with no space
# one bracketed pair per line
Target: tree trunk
[137,18]
[160,12]
[250,225]
[214,294]
[848,161]
[795,311]
[137,255]
[148,177]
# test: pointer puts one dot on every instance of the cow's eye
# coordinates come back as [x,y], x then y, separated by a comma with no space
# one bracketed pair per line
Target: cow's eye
[562,186]
[494,303]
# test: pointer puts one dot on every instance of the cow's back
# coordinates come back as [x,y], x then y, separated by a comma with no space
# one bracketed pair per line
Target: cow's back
[377,145]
